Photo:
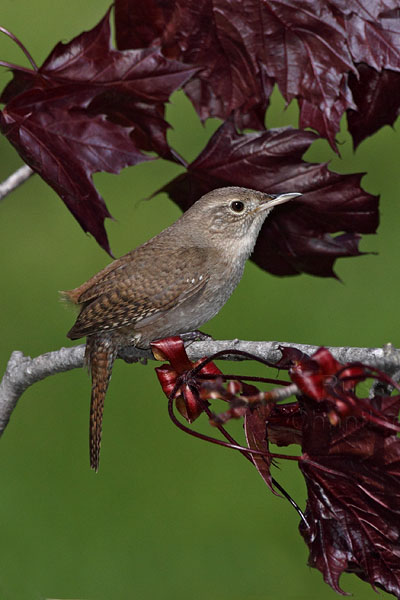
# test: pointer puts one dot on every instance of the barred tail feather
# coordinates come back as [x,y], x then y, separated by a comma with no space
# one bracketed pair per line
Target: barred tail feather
[100,356]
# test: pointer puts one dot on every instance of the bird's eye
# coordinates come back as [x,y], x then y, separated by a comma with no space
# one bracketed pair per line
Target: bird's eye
[237,206]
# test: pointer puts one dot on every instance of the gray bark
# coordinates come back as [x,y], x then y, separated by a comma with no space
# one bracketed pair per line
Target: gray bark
[23,371]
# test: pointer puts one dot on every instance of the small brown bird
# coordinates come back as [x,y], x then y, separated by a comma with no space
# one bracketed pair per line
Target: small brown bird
[172,284]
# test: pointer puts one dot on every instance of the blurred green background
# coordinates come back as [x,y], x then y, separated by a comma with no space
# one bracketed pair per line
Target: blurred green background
[167,516]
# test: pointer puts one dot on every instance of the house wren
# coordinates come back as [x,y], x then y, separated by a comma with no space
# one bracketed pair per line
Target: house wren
[172,284]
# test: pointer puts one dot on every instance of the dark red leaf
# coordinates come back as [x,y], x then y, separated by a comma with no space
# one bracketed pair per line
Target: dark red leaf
[369,9]
[178,376]
[199,34]
[285,424]
[244,48]
[65,148]
[326,119]
[308,49]
[324,380]
[150,127]
[132,86]
[90,59]
[90,108]
[256,436]
[377,96]
[290,357]
[375,42]
[173,350]
[352,473]
[351,464]
[297,237]
[317,377]
[167,377]
[375,46]
[303,46]
[21,82]
[142,24]
[352,469]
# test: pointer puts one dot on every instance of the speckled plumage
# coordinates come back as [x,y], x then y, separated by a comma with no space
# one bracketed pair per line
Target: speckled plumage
[172,284]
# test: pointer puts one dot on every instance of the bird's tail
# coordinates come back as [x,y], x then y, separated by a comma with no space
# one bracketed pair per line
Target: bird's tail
[100,355]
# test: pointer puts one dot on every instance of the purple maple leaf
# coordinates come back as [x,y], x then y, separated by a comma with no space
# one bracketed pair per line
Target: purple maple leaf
[351,464]
[377,97]
[308,49]
[90,108]
[350,450]
[296,237]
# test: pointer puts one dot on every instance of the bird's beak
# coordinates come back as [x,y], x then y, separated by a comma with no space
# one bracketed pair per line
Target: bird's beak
[273,200]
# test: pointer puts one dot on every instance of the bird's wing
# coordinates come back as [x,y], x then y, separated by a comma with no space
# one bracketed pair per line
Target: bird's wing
[88,290]
[133,290]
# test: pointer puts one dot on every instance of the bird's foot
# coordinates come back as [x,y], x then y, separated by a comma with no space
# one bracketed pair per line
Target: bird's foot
[131,354]
[195,336]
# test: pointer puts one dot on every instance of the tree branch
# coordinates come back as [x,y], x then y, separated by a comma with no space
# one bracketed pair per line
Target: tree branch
[23,371]
[14,180]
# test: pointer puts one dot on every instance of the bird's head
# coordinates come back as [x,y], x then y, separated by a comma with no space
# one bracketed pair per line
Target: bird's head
[235,214]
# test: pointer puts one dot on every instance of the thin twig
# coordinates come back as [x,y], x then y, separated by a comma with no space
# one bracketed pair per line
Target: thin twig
[15,180]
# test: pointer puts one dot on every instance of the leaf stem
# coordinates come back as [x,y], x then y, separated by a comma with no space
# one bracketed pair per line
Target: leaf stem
[179,159]
[207,438]
[286,456]
[14,67]
[20,44]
